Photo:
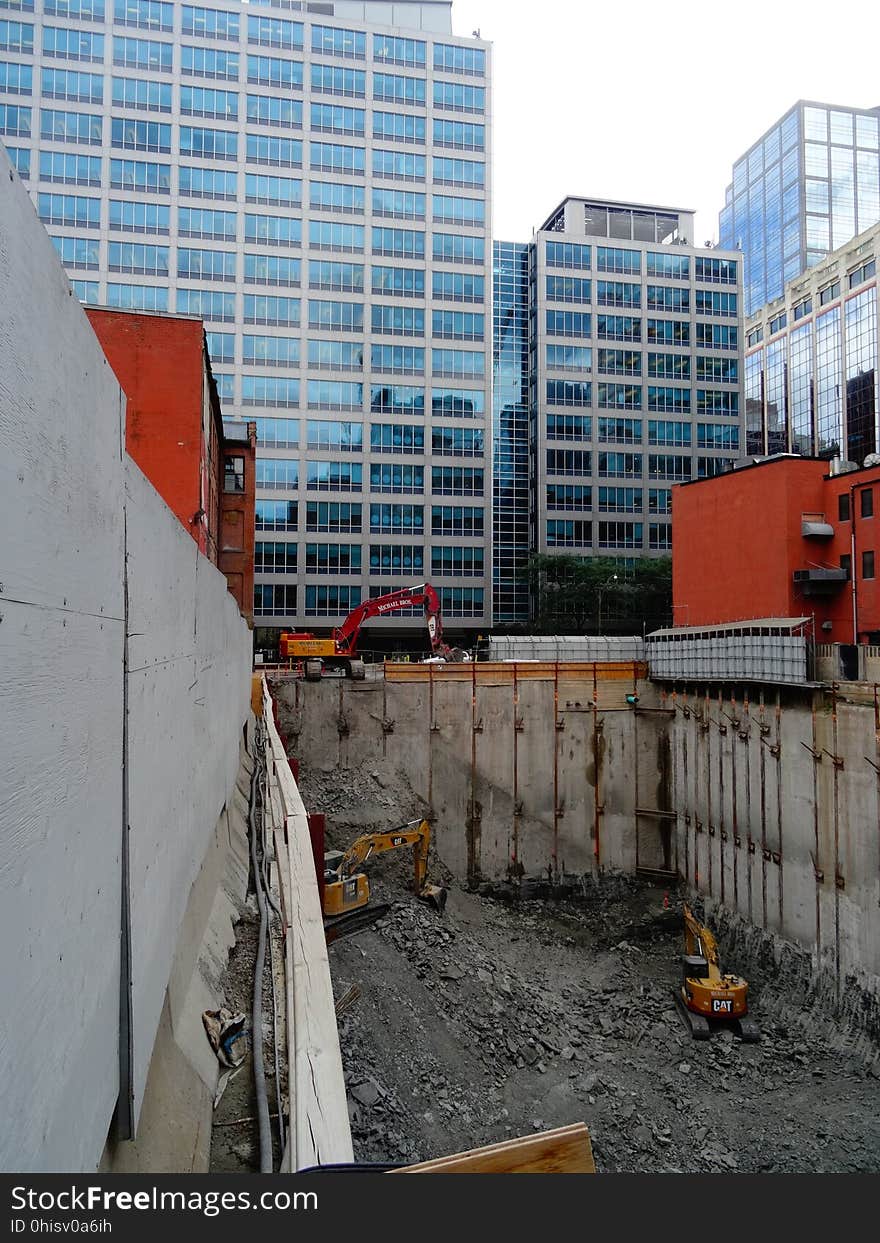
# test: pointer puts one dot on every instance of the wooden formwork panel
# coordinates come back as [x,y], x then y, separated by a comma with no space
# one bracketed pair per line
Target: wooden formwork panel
[498,673]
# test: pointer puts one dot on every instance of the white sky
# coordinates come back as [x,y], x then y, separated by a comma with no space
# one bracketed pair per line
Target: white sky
[653,102]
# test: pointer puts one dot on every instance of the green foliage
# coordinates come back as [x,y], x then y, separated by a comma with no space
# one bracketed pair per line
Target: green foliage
[598,595]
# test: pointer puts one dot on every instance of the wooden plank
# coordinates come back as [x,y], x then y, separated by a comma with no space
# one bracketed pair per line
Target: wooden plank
[566,1150]
[320,1131]
[499,673]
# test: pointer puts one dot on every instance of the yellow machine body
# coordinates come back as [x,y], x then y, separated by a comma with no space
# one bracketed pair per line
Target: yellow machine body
[301,649]
[713,994]
[342,896]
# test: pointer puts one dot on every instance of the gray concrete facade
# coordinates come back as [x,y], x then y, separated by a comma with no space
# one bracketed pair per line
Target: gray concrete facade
[637,362]
[239,162]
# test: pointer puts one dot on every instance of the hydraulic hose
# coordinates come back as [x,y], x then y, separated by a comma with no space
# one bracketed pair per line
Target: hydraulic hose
[266,1160]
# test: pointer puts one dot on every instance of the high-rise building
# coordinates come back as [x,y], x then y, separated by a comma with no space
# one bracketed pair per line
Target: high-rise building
[510,415]
[637,345]
[804,188]
[314,182]
[811,360]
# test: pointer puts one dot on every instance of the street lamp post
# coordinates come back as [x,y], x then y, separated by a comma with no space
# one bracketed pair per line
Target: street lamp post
[602,587]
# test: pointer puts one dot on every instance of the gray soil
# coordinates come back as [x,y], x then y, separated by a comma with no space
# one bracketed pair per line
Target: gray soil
[502,1017]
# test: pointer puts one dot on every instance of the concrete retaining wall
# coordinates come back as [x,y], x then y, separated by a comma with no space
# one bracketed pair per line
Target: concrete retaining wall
[189,664]
[530,773]
[770,809]
[67,501]
[778,822]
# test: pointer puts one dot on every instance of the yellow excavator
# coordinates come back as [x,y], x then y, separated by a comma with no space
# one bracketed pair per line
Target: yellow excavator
[347,889]
[706,994]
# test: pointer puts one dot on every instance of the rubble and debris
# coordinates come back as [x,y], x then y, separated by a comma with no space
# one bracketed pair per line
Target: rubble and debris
[224,1031]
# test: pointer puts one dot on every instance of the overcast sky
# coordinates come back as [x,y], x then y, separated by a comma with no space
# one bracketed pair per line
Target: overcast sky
[653,102]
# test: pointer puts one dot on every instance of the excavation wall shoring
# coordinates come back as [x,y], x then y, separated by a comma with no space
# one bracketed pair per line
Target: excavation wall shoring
[766,802]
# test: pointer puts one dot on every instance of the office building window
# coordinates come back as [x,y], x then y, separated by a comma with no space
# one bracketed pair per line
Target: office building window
[335,41]
[275,515]
[271,269]
[334,517]
[268,110]
[210,305]
[333,559]
[396,51]
[334,477]
[142,54]
[275,557]
[569,533]
[330,600]
[334,80]
[450,58]
[867,565]
[78,252]
[212,23]
[275,32]
[574,496]
[396,438]
[272,71]
[138,93]
[458,248]
[456,562]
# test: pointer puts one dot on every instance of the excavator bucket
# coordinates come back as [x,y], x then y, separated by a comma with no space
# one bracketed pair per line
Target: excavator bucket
[435,896]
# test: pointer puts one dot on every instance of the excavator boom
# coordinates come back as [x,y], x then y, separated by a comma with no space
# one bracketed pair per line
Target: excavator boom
[342,646]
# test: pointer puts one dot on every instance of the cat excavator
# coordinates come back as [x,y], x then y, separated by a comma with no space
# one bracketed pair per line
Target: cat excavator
[346,888]
[706,995]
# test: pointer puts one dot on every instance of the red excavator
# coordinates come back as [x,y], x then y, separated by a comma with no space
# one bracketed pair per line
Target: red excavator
[341,648]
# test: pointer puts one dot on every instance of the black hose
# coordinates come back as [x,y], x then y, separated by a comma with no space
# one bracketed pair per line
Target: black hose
[266,1159]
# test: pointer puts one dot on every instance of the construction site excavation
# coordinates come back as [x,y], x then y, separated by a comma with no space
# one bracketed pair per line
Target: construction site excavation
[612,861]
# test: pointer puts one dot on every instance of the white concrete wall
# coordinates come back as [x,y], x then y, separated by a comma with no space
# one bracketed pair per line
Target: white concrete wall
[189,693]
[67,494]
[61,641]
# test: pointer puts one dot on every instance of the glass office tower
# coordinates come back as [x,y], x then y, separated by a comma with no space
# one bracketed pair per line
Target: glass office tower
[510,470]
[637,340]
[315,184]
[806,187]
[811,360]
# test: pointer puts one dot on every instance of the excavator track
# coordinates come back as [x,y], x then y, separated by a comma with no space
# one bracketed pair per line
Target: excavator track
[697,1025]
[354,921]
[748,1030]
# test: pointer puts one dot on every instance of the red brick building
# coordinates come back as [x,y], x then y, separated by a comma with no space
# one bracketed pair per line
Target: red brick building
[781,538]
[174,431]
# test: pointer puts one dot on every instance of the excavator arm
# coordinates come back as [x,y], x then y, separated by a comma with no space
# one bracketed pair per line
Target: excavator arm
[415,833]
[346,635]
[699,939]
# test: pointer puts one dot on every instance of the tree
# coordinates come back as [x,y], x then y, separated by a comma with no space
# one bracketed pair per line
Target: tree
[592,595]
